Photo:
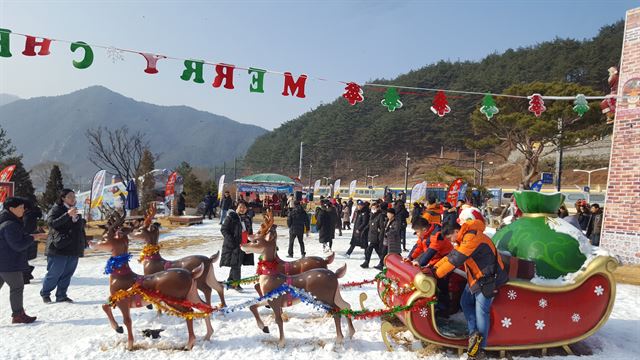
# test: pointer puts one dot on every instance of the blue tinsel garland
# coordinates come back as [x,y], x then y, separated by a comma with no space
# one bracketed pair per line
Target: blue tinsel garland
[116,262]
[283,289]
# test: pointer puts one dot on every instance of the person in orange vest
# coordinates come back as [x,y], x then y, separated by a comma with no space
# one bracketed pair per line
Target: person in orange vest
[431,247]
[433,212]
[485,273]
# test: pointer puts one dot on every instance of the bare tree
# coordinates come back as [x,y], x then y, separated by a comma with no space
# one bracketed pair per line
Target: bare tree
[118,151]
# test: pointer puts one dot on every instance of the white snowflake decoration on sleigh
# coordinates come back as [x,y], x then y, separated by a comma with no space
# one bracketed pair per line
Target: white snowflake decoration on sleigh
[575,317]
[506,322]
[599,290]
[424,312]
[512,295]
[543,303]
[540,325]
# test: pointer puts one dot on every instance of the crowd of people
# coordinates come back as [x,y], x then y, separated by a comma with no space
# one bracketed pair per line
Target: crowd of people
[587,218]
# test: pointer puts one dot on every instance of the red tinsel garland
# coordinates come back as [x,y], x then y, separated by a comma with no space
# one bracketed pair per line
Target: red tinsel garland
[267,267]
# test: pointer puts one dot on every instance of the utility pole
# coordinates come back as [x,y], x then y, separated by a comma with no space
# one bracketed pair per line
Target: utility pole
[235,168]
[441,152]
[406,172]
[310,175]
[300,166]
[482,173]
[475,161]
[559,160]
[366,177]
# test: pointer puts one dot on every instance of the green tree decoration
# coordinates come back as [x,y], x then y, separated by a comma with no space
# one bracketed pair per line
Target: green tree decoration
[489,108]
[391,99]
[581,105]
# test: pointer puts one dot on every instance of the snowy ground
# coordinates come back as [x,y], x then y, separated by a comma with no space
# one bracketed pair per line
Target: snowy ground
[81,330]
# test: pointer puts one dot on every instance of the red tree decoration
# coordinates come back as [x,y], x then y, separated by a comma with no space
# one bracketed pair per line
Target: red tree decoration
[536,105]
[440,104]
[353,93]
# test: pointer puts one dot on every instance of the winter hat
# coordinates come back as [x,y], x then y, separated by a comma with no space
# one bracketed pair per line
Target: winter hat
[470,213]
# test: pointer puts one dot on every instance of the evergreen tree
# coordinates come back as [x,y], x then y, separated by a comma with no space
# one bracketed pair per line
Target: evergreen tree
[192,185]
[145,181]
[53,188]
[6,147]
[515,128]
[20,178]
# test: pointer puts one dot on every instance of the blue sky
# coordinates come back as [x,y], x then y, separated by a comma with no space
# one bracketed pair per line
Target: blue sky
[342,40]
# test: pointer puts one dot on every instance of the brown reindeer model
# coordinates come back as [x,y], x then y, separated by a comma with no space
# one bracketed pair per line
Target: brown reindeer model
[322,283]
[153,262]
[176,284]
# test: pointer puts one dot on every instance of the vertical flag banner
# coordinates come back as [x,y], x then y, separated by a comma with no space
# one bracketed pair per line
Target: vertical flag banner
[454,190]
[5,176]
[419,192]
[170,190]
[462,193]
[221,187]
[97,187]
[336,188]
[316,187]
[352,188]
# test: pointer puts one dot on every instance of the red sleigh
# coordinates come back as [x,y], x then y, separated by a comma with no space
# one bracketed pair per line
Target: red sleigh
[523,315]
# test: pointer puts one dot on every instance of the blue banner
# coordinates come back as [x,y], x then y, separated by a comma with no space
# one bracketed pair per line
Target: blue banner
[265,188]
[537,186]
[462,194]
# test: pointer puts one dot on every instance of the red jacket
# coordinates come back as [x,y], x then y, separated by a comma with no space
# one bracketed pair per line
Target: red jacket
[437,248]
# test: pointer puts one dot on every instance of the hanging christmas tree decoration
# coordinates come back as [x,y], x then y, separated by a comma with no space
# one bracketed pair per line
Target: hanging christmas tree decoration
[489,108]
[353,93]
[536,105]
[391,99]
[581,105]
[440,104]
[115,54]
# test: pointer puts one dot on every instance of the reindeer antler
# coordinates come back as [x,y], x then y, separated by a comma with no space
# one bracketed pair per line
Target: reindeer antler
[151,212]
[267,224]
[114,218]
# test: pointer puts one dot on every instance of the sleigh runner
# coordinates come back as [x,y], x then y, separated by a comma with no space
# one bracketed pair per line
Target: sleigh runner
[523,315]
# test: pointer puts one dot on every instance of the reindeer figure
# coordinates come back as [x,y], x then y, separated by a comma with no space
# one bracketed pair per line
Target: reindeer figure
[153,263]
[174,283]
[322,283]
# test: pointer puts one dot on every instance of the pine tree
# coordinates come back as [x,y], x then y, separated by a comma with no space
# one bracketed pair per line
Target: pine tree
[21,179]
[192,185]
[6,147]
[53,188]
[144,175]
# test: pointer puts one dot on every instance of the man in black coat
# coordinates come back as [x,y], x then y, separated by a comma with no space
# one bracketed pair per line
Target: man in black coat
[298,223]
[226,204]
[14,243]
[326,226]
[377,220]
[360,228]
[32,214]
[236,229]
[402,214]
[338,209]
[391,243]
[65,245]
[450,215]
[208,205]
[182,203]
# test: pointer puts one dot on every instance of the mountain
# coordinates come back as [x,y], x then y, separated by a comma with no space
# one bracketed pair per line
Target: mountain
[352,138]
[7,98]
[53,129]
